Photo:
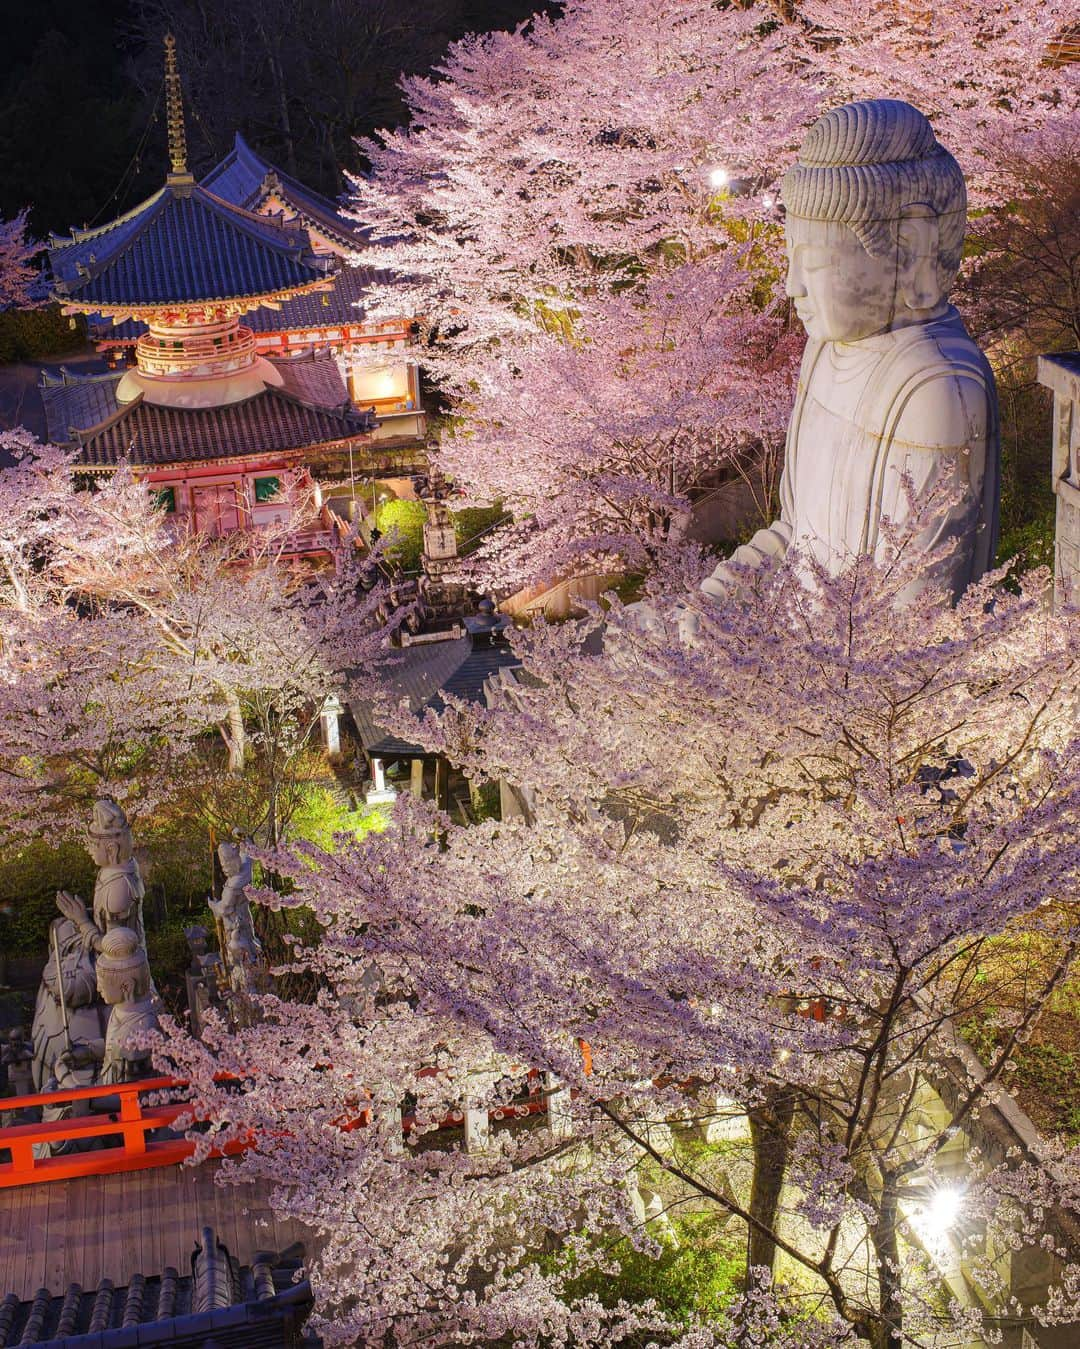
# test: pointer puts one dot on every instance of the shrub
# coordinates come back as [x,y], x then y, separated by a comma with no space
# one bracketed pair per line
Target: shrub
[474,522]
[401,523]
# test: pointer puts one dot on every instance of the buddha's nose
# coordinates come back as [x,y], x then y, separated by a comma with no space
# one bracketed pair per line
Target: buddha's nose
[794,288]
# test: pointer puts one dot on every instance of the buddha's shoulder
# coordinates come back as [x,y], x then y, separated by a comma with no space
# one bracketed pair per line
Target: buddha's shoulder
[939,348]
[937,389]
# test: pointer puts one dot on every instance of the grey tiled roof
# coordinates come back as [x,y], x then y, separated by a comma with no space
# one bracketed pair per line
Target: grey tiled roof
[213,1301]
[146,433]
[421,675]
[314,378]
[73,402]
[182,245]
[246,179]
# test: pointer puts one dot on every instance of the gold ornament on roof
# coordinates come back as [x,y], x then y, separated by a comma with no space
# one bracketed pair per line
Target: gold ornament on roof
[174,112]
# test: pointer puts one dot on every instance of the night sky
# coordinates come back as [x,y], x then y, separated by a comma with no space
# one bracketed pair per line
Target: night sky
[80,80]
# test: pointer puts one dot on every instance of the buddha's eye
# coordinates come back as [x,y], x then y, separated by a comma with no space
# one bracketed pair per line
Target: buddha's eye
[815,259]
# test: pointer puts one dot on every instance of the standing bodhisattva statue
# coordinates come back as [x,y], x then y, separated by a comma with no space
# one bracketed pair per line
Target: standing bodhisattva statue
[891,384]
[118,890]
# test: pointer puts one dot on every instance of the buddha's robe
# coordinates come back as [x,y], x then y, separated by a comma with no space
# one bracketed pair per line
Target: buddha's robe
[917,401]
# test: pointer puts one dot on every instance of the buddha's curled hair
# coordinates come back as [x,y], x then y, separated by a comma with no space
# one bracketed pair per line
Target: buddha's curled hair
[866,164]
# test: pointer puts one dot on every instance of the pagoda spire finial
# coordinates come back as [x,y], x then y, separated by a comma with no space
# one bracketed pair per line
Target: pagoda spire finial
[174,113]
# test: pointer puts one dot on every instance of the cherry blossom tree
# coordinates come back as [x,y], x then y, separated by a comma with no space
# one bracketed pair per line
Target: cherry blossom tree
[547,171]
[600,446]
[90,707]
[749,889]
[226,633]
[17,276]
[546,214]
[987,77]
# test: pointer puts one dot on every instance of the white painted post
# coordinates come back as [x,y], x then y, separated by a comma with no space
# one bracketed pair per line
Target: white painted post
[381,791]
[560,1119]
[329,723]
[477,1130]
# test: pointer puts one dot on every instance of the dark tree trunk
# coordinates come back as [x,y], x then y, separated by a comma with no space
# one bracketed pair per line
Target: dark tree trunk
[888,1333]
[770,1135]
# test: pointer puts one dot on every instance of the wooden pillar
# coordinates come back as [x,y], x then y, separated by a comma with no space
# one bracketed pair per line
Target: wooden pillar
[416,778]
[442,783]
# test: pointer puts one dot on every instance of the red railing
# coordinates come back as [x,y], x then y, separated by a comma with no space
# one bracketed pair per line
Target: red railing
[123,1133]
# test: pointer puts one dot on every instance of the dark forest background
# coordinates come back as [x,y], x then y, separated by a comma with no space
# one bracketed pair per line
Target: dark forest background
[82,129]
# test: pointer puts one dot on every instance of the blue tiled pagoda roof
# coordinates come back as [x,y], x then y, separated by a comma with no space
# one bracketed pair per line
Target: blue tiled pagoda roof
[327,309]
[182,245]
[246,179]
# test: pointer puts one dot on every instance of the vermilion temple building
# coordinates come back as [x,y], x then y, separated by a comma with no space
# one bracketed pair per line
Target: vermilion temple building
[255,373]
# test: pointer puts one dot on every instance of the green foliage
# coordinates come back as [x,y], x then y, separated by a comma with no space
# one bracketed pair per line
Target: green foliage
[1051,1072]
[401,524]
[484,800]
[475,521]
[1032,542]
[322,815]
[1055,1073]
[30,334]
[698,1273]
[30,876]
[1027,499]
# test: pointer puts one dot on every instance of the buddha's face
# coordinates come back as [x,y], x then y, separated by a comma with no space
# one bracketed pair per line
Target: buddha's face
[841,292]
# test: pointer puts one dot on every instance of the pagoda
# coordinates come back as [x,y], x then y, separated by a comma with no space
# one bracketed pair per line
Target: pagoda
[226,436]
[374,356]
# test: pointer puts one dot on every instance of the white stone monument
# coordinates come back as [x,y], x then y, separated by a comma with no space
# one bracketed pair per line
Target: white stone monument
[891,384]
[1062,374]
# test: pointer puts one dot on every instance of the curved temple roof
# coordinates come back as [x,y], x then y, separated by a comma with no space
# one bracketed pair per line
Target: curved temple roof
[246,179]
[183,245]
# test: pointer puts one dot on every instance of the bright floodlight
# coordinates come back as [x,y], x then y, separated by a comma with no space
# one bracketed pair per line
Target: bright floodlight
[768,201]
[718,177]
[943,1210]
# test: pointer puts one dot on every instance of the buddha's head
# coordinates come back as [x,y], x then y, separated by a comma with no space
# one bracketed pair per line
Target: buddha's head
[876,212]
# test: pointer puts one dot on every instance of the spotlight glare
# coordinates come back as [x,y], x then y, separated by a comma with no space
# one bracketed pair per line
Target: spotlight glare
[943,1210]
[719,177]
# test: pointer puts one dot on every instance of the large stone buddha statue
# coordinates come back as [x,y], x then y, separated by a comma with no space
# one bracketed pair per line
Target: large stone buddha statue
[891,384]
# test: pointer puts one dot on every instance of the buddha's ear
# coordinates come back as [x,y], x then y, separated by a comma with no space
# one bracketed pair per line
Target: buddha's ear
[919,276]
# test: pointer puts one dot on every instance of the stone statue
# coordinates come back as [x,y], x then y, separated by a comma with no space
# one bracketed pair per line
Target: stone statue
[118,890]
[77,1066]
[891,383]
[240,947]
[123,977]
[79,1018]
[16,1058]
[205,975]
